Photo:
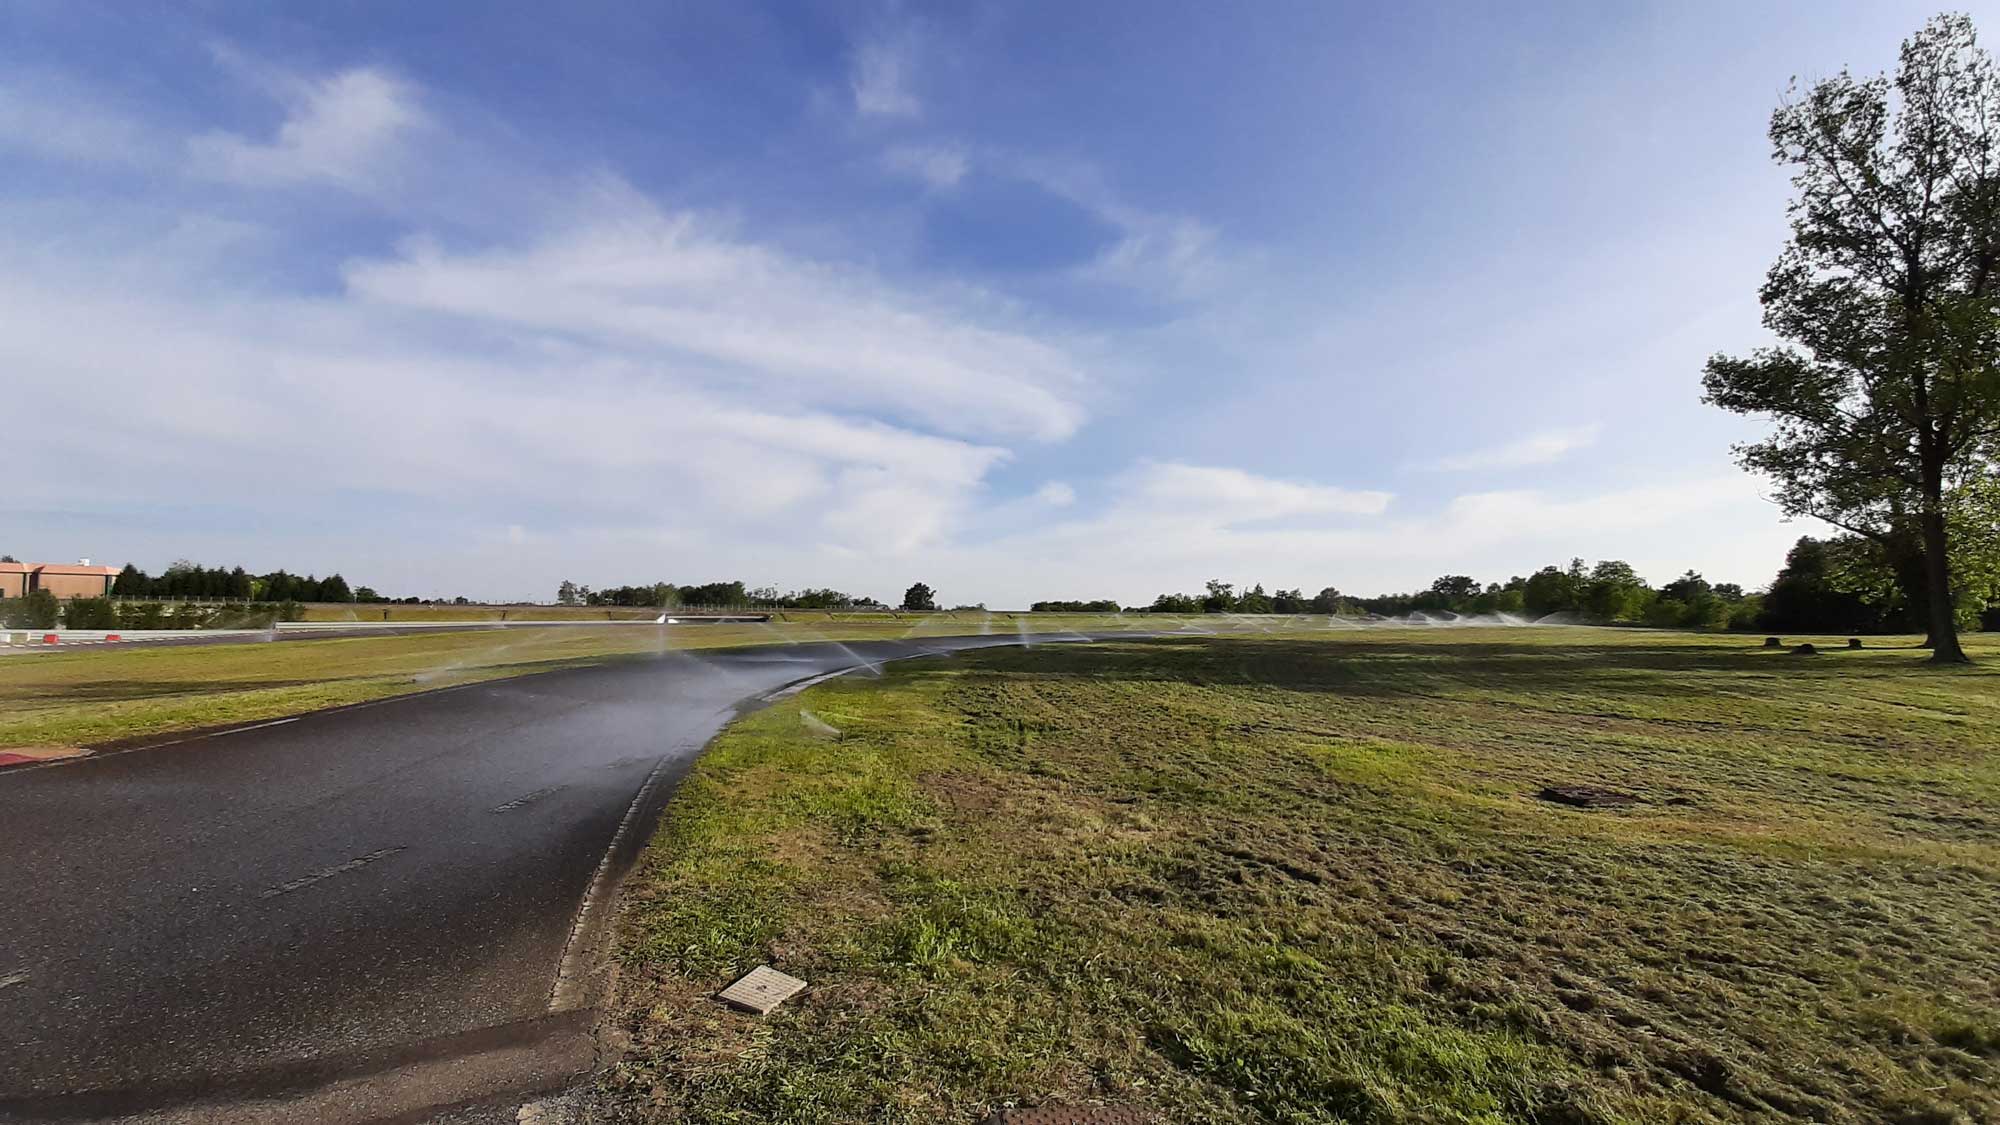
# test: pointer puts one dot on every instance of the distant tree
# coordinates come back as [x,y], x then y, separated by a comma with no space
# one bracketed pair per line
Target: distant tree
[366,594]
[1890,390]
[130,583]
[566,594]
[1688,587]
[1328,600]
[9,558]
[1614,592]
[820,599]
[1555,590]
[1221,597]
[920,596]
[715,593]
[333,588]
[1289,601]
[1805,597]
[1255,600]
[1175,603]
[1455,588]
[1701,608]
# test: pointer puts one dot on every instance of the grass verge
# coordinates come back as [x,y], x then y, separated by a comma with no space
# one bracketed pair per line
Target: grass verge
[86,696]
[1289,880]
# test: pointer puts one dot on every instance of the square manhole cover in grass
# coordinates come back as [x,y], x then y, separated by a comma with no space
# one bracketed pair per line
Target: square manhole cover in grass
[761,989]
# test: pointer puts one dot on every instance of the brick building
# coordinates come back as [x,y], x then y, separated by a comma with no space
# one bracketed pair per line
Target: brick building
[64,580]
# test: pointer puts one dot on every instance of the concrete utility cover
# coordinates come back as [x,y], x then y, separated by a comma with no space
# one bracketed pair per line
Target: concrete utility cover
[762,989]
[1069,1115]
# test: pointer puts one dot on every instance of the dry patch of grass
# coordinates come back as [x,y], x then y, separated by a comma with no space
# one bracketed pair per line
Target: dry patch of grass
[1307,880]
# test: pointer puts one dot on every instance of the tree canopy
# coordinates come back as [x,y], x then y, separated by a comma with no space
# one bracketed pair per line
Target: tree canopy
[1887,394]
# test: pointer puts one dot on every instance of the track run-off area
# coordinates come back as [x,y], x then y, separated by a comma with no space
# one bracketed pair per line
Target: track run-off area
[354,913]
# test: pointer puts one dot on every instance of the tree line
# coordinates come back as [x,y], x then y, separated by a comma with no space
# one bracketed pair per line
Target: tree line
[184,580]
[1609,591]
[1843,584]
[664,595]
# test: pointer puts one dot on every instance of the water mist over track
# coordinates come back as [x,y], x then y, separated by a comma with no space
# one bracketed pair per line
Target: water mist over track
[398,901]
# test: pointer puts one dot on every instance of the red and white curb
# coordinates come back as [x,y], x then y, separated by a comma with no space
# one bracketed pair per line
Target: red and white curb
[36,637]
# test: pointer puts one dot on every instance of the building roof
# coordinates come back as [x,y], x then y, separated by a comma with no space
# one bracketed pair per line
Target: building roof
[14,568]
[56,568]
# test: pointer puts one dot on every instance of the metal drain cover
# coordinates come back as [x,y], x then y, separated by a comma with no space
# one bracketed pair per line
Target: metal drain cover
[1069,1115]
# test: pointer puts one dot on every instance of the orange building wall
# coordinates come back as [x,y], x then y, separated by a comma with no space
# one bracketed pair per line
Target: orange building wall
[73,585]
[65,580]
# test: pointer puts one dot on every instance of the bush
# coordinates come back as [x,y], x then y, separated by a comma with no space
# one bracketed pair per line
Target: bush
[39,610]
[189,616]
[1746,614]
[90,613]
[142,615]
[1667,613]
[243,617]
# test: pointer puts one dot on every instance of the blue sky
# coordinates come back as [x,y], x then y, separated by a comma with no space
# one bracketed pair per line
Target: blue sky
[1021,300]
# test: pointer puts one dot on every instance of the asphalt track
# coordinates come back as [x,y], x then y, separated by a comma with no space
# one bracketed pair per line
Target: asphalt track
[358,914]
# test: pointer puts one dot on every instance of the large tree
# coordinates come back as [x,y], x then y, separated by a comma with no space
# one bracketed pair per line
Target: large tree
[1888,393]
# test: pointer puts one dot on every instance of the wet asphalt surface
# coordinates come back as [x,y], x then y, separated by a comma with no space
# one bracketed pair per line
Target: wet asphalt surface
[223,911]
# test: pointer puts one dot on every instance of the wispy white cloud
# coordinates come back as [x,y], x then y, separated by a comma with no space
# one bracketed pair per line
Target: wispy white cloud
[1171,255]
[1230,497]
[346,129]
[940,166]
[1055,494]
[1538,448]
[338,397]
[880,72]
[674,289]
[652,390]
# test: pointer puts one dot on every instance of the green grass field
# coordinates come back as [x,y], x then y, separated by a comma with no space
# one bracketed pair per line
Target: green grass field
[1306,878]
[84,696]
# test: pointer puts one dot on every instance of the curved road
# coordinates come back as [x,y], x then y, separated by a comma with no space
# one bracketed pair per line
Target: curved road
[357,914]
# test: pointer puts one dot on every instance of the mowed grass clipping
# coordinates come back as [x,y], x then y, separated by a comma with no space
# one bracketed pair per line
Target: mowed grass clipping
[86,696]
[1291,880]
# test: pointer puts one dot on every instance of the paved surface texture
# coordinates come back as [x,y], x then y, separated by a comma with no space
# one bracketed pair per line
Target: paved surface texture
[396,889]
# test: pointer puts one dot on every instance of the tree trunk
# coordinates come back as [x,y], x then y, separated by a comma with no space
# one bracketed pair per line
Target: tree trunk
[1937,567]
[1910,563]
